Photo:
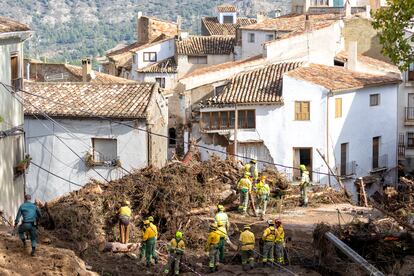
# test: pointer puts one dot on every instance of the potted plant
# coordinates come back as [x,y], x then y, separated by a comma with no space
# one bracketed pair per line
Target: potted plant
[23,165]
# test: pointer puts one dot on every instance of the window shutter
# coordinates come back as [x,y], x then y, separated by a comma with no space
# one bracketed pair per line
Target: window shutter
[338,107]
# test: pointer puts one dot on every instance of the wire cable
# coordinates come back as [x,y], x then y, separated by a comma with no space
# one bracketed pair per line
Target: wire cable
[55,175]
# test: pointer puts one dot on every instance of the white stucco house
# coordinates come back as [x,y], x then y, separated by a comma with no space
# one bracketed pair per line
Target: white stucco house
[287,112]
[12,182]
[85,140]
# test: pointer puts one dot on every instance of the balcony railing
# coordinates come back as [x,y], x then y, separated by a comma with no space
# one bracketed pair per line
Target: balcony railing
[409,114]
[401,151]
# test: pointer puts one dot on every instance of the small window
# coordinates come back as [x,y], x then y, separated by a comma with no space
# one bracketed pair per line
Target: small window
[338,107]
[104,150]
[410,140]
[269,37]
[161,82]
[251,38]
[150,56]
[410,73]
[228,19]
[302,111]
[374,99]
[197,59]
[171,137]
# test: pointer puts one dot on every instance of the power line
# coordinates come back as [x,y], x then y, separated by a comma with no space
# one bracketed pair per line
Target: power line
[64,179]
[166,137]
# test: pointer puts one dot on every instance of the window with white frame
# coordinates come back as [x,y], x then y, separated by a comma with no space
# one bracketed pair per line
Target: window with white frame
[197,59]
[228,19]
[150,56]
[269,37]
[250,37]
[104,150]
[161,82]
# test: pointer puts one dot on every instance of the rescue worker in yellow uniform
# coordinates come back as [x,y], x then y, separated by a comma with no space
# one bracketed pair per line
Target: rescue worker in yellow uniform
[279,242]
[304,184]
[124,215]
[269,236]
[142,248]
[262,195]
[244,187]
[222,231]
[247,241]
[212,247]
[176,249]
[252,170]
[150,240]
[222,216]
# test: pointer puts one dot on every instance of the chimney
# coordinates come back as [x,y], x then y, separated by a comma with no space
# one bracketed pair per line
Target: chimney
[179,26]
[307,23]
[139,15]
[348,11]
[352,63]
[260,17]
[86,69]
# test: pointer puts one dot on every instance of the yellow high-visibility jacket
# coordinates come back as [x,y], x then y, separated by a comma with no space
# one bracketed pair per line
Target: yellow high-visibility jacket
[150,232]
[125,211]
[305,178]
[247,240]
[224,218]
[221,230]
[280,235]
[262,188]
[252,170]
[244,183]
[213,239]
[269,234]
[177,246]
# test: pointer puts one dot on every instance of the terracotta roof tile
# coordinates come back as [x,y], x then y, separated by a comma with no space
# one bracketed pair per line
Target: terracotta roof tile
[226,8]
[214,27]
[206,45]
[336,78]
[262,85]
[107,100]
[164,66]
[8,25]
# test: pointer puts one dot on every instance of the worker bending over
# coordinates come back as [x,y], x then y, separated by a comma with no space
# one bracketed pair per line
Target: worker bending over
[252,170]
[262,195]
[244,187]
[269,236]
[304,183]
[279,241]
[212,247]
[176,249]
[31,215]
[150,240]
[247,241]
[124,215]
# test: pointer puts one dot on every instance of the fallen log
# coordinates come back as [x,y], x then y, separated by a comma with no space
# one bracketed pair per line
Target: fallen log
[364,264]
[396,218]
[117,247]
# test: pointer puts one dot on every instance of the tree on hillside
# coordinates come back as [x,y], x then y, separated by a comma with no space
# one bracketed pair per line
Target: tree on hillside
[393,23]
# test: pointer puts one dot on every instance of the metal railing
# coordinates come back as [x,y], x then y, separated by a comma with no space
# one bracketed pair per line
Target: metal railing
[401,150]
[409,114]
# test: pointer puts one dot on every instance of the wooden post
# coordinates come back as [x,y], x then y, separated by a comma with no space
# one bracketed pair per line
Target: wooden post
[236,118]
[364,195]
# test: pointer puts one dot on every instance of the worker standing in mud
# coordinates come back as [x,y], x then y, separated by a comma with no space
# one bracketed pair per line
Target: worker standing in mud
[150,240]
[252,170]
[247,241]
[262,195]
[31,215]
[176,249]
[212,247]
[304,183]
[244,187]
[142,248]
[124,214]
[279,242]
[222,231]
[269,236]
[222,216]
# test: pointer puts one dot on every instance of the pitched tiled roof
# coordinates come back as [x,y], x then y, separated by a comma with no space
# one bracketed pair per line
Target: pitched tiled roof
[206,45]
[293,23]
[127,101]
[8,25]
[214,27]
[223,66]
[336,78]
[164,66]
[263,85]
[69,73]
[226,8]
[373,63]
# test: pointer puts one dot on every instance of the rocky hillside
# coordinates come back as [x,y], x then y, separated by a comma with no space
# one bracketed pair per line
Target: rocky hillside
[70,29]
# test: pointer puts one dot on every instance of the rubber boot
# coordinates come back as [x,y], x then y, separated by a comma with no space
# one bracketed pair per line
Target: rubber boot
[33,251]
[24,243]
[212,269]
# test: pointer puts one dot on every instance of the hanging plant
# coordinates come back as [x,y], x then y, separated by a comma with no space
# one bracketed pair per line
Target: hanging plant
[23,165]
[89,162]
